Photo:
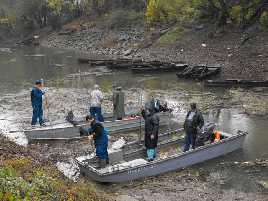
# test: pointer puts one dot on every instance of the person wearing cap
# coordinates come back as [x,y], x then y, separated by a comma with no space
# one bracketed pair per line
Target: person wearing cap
[37,103]
[119,103]
[96,98]
[193,123]
[152,120]
[99,134]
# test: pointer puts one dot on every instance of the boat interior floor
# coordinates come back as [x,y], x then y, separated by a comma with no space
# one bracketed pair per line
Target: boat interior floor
[134,154]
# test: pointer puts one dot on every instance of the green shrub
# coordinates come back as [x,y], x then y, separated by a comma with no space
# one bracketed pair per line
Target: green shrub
[170,37]
[264,19]
[40,183]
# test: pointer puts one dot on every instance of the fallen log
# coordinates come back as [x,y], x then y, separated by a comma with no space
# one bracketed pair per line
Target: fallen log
[87,60]
[66,32]
[236,83]
[135,65]
[162,68]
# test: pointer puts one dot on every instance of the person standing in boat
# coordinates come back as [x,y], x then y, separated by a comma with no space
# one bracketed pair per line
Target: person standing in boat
[152,120]
[119,103]
[37,103]
[193,123]
[96,98]
[99,134]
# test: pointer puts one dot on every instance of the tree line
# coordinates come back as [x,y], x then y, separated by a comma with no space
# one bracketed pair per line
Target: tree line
[33,14]
[243,13]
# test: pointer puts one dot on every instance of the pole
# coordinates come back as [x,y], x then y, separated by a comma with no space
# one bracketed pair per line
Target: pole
[140,117]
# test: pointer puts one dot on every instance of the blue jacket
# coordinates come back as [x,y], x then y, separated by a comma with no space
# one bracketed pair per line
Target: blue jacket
[100,133]
[36,96]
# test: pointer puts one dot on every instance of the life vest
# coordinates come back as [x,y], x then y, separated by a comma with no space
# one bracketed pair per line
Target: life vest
[217,136]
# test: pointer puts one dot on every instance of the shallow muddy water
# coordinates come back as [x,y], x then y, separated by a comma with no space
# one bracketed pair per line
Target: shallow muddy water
[68,82]
[68,85]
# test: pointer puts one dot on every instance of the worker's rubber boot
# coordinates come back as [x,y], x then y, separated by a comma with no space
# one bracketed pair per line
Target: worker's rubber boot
[97,163]
[103,163]
[94,160]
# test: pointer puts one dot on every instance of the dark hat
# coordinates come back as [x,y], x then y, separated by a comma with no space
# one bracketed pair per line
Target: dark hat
[38,82]
[193,105]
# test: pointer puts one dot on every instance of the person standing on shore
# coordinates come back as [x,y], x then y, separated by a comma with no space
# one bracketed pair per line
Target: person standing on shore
[119,104]
[37,103]
[193,123]
[96,98]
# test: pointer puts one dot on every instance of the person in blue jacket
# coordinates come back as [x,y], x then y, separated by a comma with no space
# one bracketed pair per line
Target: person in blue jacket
[37,103]
[100,137]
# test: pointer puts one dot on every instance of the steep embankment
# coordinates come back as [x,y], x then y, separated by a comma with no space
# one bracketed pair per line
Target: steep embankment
[244,55]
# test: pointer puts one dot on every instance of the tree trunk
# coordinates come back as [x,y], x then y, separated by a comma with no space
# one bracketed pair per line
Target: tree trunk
[224,14]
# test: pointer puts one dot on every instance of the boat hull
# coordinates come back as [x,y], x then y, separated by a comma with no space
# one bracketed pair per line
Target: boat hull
[172,163]
[66,131]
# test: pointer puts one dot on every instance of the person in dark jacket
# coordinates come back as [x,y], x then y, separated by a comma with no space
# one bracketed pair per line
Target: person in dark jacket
[37,103]
[151,130]
[100,137]
[119,104]
[194,121]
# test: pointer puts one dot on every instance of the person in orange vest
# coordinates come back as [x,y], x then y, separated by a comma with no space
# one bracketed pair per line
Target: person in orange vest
[217,136]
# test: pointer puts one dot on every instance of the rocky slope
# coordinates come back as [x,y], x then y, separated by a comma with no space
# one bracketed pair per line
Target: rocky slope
[244,55]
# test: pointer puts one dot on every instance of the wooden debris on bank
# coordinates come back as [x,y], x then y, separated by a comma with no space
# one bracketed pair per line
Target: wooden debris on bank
[66,32]
[159,67]
[200,71]
[112,63]
[236,83]
[137,66]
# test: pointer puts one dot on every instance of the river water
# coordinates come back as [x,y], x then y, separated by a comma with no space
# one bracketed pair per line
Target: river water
[68,84]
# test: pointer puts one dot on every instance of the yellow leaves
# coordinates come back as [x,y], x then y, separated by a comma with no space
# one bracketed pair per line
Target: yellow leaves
[20,165]
[152,12]
[165,10]
[236,14]
[264,19]
[56,6]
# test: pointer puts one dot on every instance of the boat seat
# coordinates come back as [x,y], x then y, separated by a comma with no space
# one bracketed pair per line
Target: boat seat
[115,155]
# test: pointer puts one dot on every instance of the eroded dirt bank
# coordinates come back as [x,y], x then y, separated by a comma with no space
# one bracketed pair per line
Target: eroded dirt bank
[243,54]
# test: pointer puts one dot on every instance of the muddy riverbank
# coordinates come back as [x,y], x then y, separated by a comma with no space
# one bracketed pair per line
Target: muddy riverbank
[243,55]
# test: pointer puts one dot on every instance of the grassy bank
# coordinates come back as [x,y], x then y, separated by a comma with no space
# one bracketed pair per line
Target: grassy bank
[25,176]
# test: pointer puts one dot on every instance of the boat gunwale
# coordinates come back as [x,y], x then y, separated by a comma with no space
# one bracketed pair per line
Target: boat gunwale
[162,134]
[84,137]
[229,138]
[69,125]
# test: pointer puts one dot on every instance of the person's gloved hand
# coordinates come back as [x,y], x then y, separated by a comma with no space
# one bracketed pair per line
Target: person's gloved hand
[90,138]
[83,131]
